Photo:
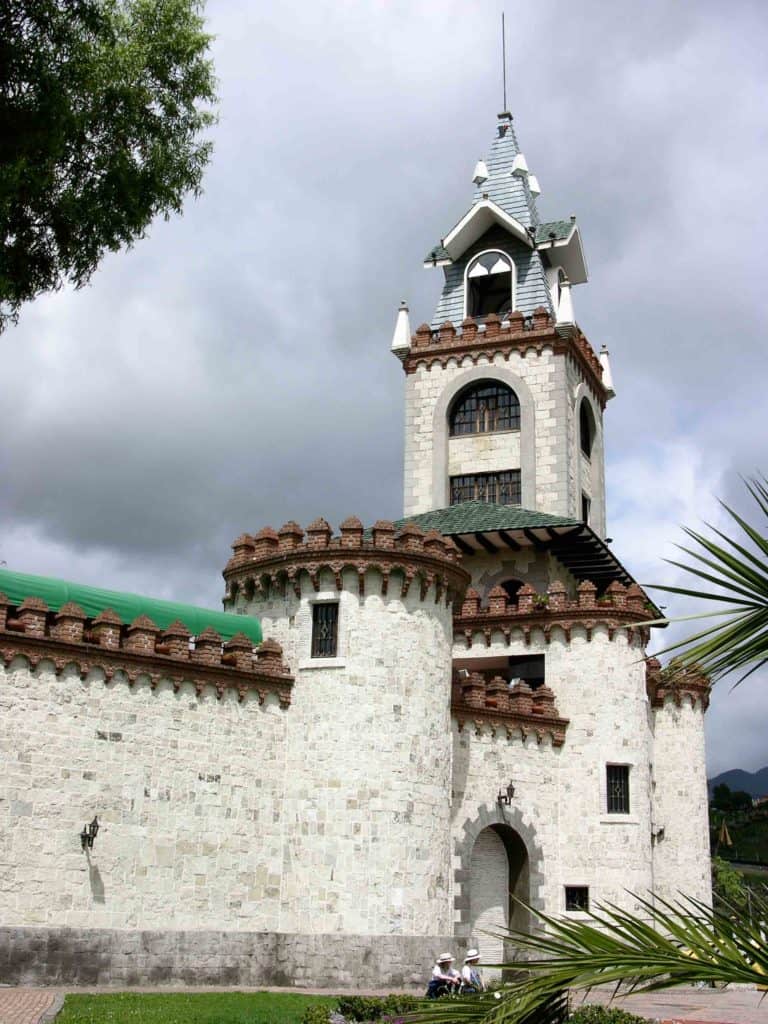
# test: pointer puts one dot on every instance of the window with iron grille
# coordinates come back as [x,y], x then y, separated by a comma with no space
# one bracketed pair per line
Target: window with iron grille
[325,629]
[485,408]
[498,488]
[617,785]
[577,897]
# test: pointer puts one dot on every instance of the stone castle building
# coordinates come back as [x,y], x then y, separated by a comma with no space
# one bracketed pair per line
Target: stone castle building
[389,731]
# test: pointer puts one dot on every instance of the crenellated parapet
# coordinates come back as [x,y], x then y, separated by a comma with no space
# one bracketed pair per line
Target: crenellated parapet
[492,336]
[519,709]
[140,649]
[620,608]
[399,559]
[676,682]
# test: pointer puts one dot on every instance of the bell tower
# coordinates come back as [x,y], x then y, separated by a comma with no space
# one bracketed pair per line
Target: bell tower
[504,394]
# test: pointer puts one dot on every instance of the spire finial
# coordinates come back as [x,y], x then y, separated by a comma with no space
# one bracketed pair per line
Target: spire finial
[504,58]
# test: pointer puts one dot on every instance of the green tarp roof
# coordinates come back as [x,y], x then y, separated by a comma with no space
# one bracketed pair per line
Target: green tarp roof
[55,593]
[482,516]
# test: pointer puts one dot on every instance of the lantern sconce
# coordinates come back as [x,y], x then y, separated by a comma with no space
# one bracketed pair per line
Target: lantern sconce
[505,796]
[89,833]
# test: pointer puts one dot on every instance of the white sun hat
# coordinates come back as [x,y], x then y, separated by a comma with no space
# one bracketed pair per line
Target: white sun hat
[444,958]
[472,954]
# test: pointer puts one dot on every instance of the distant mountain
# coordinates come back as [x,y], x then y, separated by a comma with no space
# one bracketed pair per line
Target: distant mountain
[754,783]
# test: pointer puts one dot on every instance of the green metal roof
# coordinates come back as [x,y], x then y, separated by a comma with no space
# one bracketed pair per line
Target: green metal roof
[481,516]
[559,228]
[55,593]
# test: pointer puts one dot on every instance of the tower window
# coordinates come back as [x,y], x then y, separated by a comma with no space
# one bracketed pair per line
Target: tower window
[586,428]
[577,898]
[325,629]
[497,488]
[586,504]
[490,284]
[617,786]
[485,408]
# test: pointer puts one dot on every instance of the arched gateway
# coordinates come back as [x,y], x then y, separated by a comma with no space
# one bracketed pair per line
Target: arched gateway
[499,871]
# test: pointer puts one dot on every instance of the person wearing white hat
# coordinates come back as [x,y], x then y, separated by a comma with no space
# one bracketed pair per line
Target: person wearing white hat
[472,979]
[444,978]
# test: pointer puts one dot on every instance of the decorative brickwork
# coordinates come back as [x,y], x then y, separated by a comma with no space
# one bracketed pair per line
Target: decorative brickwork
[677,682]
[270,560]
[483,701]
[69,637]
[620,608]
[519,335]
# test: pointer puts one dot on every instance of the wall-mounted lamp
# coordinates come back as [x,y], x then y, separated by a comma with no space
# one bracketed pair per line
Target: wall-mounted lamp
[505,796]
[89,833]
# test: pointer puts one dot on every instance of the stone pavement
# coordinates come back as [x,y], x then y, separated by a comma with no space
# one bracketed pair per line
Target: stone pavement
[674,1006]
[28,1005]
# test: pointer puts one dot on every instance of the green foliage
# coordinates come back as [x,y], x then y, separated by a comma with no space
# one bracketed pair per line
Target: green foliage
[740,575]
[726,799]
[727,883]
[591,1013]
[365,1008]
[189,1008]
[102,107]
[317,1013]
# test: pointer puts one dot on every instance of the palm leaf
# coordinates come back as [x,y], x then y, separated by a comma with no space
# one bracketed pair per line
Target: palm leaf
[741,577]
[669,943]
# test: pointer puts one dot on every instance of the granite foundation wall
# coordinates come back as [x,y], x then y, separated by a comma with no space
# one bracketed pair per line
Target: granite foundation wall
[100,956]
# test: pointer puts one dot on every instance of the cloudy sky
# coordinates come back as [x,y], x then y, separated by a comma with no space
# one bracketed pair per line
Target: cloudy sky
[233,369]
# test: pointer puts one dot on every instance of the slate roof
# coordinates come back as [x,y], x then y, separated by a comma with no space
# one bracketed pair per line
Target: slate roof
[481,516]
[505,189]
[559,228]
[478,527]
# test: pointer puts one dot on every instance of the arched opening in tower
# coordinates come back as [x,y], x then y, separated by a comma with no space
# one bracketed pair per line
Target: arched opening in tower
[499,870]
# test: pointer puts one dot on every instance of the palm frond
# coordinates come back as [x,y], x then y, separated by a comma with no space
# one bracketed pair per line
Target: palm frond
[668,943]
[740,576]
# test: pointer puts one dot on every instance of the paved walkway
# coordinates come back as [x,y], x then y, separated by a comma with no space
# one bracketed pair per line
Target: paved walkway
[27,1005]
[676,1006]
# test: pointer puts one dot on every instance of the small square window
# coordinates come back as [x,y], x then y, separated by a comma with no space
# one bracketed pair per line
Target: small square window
[617,788]
[577,897]
[325,629]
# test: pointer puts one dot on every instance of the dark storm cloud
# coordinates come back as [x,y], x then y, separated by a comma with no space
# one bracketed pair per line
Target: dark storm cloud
[233,369]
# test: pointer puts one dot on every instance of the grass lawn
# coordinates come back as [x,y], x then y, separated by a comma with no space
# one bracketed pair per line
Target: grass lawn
[188,1008]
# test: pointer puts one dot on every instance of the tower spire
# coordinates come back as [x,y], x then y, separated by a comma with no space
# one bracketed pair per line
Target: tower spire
[504,58]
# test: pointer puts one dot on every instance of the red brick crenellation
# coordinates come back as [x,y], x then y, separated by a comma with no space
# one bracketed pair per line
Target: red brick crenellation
[493,702]
[140,648]
[539,331]
[620,607]
[676,681]
[273,560]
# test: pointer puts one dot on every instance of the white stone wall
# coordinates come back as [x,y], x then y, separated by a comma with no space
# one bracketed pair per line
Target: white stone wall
[680,806]
[585,474]
[188,792]
[560,798]
[484,453]
[489,899]
[365,818]
[544,482]
[539,568]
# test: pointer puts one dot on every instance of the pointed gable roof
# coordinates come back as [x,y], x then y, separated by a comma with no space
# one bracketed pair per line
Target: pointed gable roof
[505,186]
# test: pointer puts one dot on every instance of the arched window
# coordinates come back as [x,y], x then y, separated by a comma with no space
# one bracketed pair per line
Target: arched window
[490,284]
[484,408]
[586,428]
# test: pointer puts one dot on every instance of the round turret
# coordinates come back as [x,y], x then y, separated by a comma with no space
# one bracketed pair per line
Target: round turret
[365,621]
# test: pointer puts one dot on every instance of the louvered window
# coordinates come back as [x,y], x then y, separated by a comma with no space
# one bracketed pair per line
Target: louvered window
[325,629]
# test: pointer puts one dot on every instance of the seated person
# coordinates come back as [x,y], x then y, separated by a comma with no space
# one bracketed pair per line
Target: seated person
[471,978]
[444,978]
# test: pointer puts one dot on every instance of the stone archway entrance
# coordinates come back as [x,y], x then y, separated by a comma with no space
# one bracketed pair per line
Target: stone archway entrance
[499,869]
